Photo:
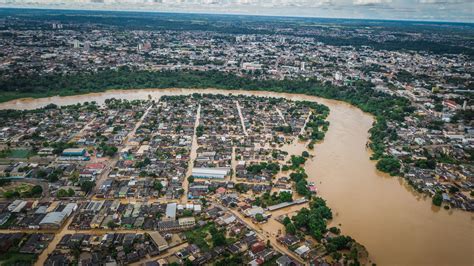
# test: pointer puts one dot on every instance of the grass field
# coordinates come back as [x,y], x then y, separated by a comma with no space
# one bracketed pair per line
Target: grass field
[16,153]
[20,153]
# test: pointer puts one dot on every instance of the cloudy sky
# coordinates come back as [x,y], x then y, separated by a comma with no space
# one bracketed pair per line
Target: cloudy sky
[433,10]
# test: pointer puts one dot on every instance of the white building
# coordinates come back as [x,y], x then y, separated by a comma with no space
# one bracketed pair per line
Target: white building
[218,173]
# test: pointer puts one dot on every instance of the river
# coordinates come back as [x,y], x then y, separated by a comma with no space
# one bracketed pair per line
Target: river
[396,225]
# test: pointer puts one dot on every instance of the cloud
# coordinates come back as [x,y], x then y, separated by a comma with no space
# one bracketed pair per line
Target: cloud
[443,1]
[371,2]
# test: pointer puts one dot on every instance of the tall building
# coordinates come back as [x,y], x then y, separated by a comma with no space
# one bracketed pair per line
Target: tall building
[76,44]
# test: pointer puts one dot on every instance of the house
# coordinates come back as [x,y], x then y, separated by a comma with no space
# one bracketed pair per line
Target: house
[187,221]
[288,240]
[286,261]
[302,251]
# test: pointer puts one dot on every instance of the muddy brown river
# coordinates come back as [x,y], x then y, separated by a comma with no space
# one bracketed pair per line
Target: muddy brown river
[397,225]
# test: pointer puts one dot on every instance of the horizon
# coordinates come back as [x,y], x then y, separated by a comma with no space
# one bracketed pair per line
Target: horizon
[455,11]
[181,12]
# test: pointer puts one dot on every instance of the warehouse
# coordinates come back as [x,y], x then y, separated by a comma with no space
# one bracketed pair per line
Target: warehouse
[53,220]
[159,241]
[74,152]
[214,173]
[170,212]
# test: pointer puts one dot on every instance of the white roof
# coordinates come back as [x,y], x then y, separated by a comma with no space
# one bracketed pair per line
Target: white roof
[301,250]
[171,210]
[53,218]
[211,171]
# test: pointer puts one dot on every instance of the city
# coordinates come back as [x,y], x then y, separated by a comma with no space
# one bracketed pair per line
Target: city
[192,171]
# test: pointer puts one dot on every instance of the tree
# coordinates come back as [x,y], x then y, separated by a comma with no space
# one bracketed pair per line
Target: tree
[286,196]
[336,256]
[36,191]
[453,189]
[157,185]
[61,193]
[437,199]
[112,225]
[259,217]
[9,194]
[4,182]
[290,229]
[71,192]
[302,188]
[389,165]
[426,164]
[87,186]
[190,179]
[335,230]
[187,213]
[218,237]
[297,161]
[305,154]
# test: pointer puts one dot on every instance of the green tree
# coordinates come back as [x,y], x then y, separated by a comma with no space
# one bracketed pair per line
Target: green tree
[389,165]
[71,192]
[36,191]
[157,185]
[437,199]
[112,225]
[61,193]
[335,230]
[290,229]
[286,220]
[286,196]
[87,186]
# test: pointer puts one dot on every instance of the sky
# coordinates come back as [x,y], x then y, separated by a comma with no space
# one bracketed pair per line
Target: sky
[431,10]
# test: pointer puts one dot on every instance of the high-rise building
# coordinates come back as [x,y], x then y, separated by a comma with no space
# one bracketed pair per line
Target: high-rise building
[76,44]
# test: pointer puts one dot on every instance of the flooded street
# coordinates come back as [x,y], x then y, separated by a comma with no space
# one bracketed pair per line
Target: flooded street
[395,224]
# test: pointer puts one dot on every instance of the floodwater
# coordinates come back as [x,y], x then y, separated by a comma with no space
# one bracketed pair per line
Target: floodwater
[395,224]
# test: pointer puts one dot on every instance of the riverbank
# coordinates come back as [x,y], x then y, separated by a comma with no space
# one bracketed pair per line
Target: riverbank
[376,210]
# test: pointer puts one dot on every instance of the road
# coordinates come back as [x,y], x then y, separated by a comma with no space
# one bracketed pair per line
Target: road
[110,164]
[192,157]
[263,234]
[241,118]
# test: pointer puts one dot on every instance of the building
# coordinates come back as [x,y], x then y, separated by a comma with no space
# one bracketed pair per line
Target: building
[16,206]
[159,241]
[74,152]
[286,204]
[285,261]
[251,212]
[53,220]
[170,214]
[187,221]
[302,251]
[213,173]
